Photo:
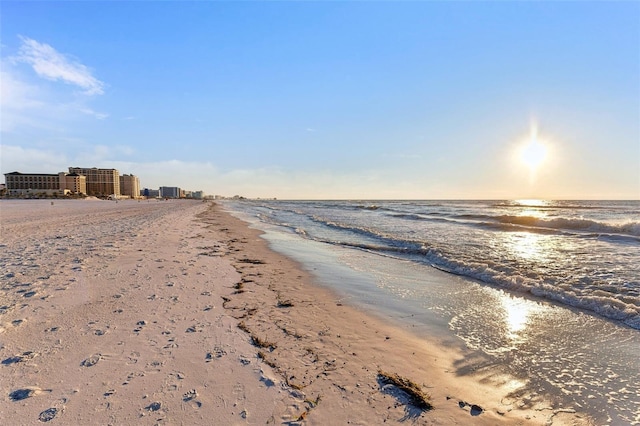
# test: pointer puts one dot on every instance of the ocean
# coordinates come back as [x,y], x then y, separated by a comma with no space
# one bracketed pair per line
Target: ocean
[544,296]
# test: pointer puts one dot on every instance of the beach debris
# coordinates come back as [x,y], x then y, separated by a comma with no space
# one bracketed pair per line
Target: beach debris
[267,361]
[225,300]
[417,397]
[28,392]
[91,361]
[311,405]
[262,343]
[48,414]
[284,303]
[289,382]
[252,261]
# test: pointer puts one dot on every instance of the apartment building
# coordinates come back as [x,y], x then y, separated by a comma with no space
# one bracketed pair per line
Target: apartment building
[170,192]
[130,186]
[100,182]
[150,193]
[33,183]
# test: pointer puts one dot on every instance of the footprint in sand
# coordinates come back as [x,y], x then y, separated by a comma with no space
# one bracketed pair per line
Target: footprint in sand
[28,392]
[154,406]
[190,395]
[48,414]
[140,324]
[91,361]
[20,358]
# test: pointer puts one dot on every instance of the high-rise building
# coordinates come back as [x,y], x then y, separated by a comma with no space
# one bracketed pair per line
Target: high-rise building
[100,182]
[130,186]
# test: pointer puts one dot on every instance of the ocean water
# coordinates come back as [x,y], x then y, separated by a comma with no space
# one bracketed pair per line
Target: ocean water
[543,295]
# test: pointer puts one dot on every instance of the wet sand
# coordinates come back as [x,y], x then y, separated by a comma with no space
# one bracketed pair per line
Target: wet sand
[174,312]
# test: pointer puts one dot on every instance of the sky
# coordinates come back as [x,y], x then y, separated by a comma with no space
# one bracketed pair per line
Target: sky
[328,100]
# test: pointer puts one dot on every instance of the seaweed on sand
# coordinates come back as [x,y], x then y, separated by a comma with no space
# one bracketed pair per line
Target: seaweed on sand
[257,340]
[417,397]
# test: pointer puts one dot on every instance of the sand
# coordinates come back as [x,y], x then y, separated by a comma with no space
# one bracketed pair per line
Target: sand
[175,312]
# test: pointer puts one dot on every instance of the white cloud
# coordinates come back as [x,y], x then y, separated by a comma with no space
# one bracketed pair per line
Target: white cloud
[31,160]
[53,65]
[98,115]
[199,175]
[16,93]
[27,104]
[48,158]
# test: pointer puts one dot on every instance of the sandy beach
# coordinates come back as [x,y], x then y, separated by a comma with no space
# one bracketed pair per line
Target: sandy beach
[177,313]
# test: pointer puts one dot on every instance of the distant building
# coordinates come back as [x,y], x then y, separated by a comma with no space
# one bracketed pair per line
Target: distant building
[150,193]
[170,192]
[50,184]
[100,182]
[130,186]
[199,195]
[74,182]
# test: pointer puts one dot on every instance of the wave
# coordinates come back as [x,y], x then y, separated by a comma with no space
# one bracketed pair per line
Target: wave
[607,306]
[549,206]
[583,225]
[583,290]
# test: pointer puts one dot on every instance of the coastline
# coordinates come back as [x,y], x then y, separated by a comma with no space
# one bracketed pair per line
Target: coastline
[361,344]
[193,317]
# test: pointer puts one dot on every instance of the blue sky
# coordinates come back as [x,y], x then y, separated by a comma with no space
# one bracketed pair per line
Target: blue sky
[327,99]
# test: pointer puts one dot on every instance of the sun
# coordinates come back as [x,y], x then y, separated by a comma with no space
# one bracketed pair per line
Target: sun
[533,152]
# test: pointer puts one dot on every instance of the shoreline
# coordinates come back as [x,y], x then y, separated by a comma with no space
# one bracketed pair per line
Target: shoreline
[382,345]
[180,313]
